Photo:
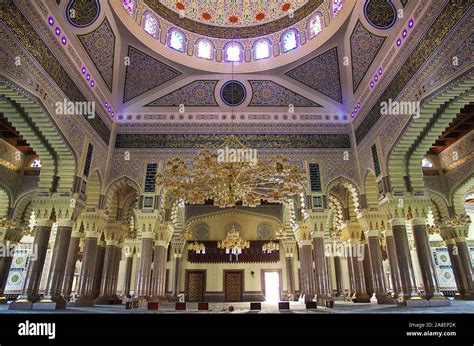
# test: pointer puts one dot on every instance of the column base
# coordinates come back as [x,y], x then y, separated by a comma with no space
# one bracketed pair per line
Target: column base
[464,296]
[382,299]
[82,301]
[360,298]
[439,300]
[21,303]
[3,299]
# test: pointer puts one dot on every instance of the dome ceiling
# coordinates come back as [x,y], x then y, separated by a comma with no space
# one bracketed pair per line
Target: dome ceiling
[230,19]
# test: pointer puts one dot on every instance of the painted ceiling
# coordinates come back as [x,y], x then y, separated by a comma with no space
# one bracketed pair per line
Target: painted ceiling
[320,83]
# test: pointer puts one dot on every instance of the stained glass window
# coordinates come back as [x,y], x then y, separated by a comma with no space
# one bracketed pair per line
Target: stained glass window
[150,24]
[128,5]
[315,25]
[233,51]
[204,49]
[262,49]
[336,6]
[289,40]
[425,163]
[177,40]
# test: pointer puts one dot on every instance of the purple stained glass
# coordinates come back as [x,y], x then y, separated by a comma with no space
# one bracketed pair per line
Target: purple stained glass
[51,21]
[63,40]
[380,71]
[83,70]
[372,84]
[57,31]
[399,42]
[88,76]
[405,33]
[92,83]
[410,23]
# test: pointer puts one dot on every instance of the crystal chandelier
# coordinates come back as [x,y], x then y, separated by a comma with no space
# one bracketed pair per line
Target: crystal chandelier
[233,243]
[230,183]
[198,248]
[270,247]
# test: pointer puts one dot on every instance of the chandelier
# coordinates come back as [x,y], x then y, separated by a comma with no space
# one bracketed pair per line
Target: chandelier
[186,234]
[233,243]
[7,223]
[231,176]
[270,247]
[198,248]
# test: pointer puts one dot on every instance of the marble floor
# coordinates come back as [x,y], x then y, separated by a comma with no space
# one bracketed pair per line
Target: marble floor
[457,307]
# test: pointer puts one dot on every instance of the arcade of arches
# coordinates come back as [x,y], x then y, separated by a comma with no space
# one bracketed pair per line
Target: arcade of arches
[93,108]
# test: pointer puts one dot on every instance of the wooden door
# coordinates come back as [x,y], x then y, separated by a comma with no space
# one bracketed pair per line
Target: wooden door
[195,285]
[233,285]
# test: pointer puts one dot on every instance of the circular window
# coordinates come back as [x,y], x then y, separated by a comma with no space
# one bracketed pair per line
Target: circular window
[233,93]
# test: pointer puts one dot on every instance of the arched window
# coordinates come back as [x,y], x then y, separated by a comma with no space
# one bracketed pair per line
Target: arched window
[128,5]
[425,163]
[204,49]
[315,25]
[233,52]
[261,49]
[150,24]
[289,40]
[177,41]
[336,6]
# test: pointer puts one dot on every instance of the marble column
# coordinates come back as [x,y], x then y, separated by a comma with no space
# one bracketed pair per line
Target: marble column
[393,263]
[35,267]
[127,274]
[176,275]
[290,275]
[320,271]
[425,260]
[407,274]
[70,265]
[115,272]
[307,271]
[86,276]
[368,280]
[355,254]
[159,270]
[144,269]
[462,269]
[338,272]
[376,267]
[5,264]
[105,294]
[98,269]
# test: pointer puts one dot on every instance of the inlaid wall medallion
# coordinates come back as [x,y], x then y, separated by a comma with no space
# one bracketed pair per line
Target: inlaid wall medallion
[233,93]
[82,13]
[382,14]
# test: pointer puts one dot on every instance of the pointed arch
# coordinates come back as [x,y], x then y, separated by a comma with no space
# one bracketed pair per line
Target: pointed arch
[370,189]
[5,201]
[458,194]
[93,189]
[439,203]
[116,194]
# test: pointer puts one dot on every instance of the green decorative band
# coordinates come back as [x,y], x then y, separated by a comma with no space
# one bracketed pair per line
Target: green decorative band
[309,141]
[12,17]
[432,39]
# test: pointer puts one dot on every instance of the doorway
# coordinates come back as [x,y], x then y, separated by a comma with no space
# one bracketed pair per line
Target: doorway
[271,281]
[233,285]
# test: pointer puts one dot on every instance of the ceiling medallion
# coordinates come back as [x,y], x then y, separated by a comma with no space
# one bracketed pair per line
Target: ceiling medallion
[233,93]
[230,176]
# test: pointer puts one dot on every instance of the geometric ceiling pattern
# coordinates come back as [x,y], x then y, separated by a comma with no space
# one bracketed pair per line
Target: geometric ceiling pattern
[321,74]
[82,13]
[270,94]
[197,93]
[145,73]
[364,48]
[100,46]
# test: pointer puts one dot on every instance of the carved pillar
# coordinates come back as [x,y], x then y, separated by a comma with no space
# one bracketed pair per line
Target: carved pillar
[338,272]
[89,258]
[355,255]
[307,272]
[35,266]
[177,247]
[393,263]
[128,272]
[321,271]
[378,277]
[71,264]
[369,286]
[105,294]
[98,269]
[115,272]
[159,269]
[289,248]
[407,274]
[144,269]
[425,260]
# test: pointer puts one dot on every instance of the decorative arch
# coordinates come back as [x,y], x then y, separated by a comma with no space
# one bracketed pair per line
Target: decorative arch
[370,188]
[458,194]
[352,193]
[93,189]
[116,194]
[440,205]
[151,24]
[23,208]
